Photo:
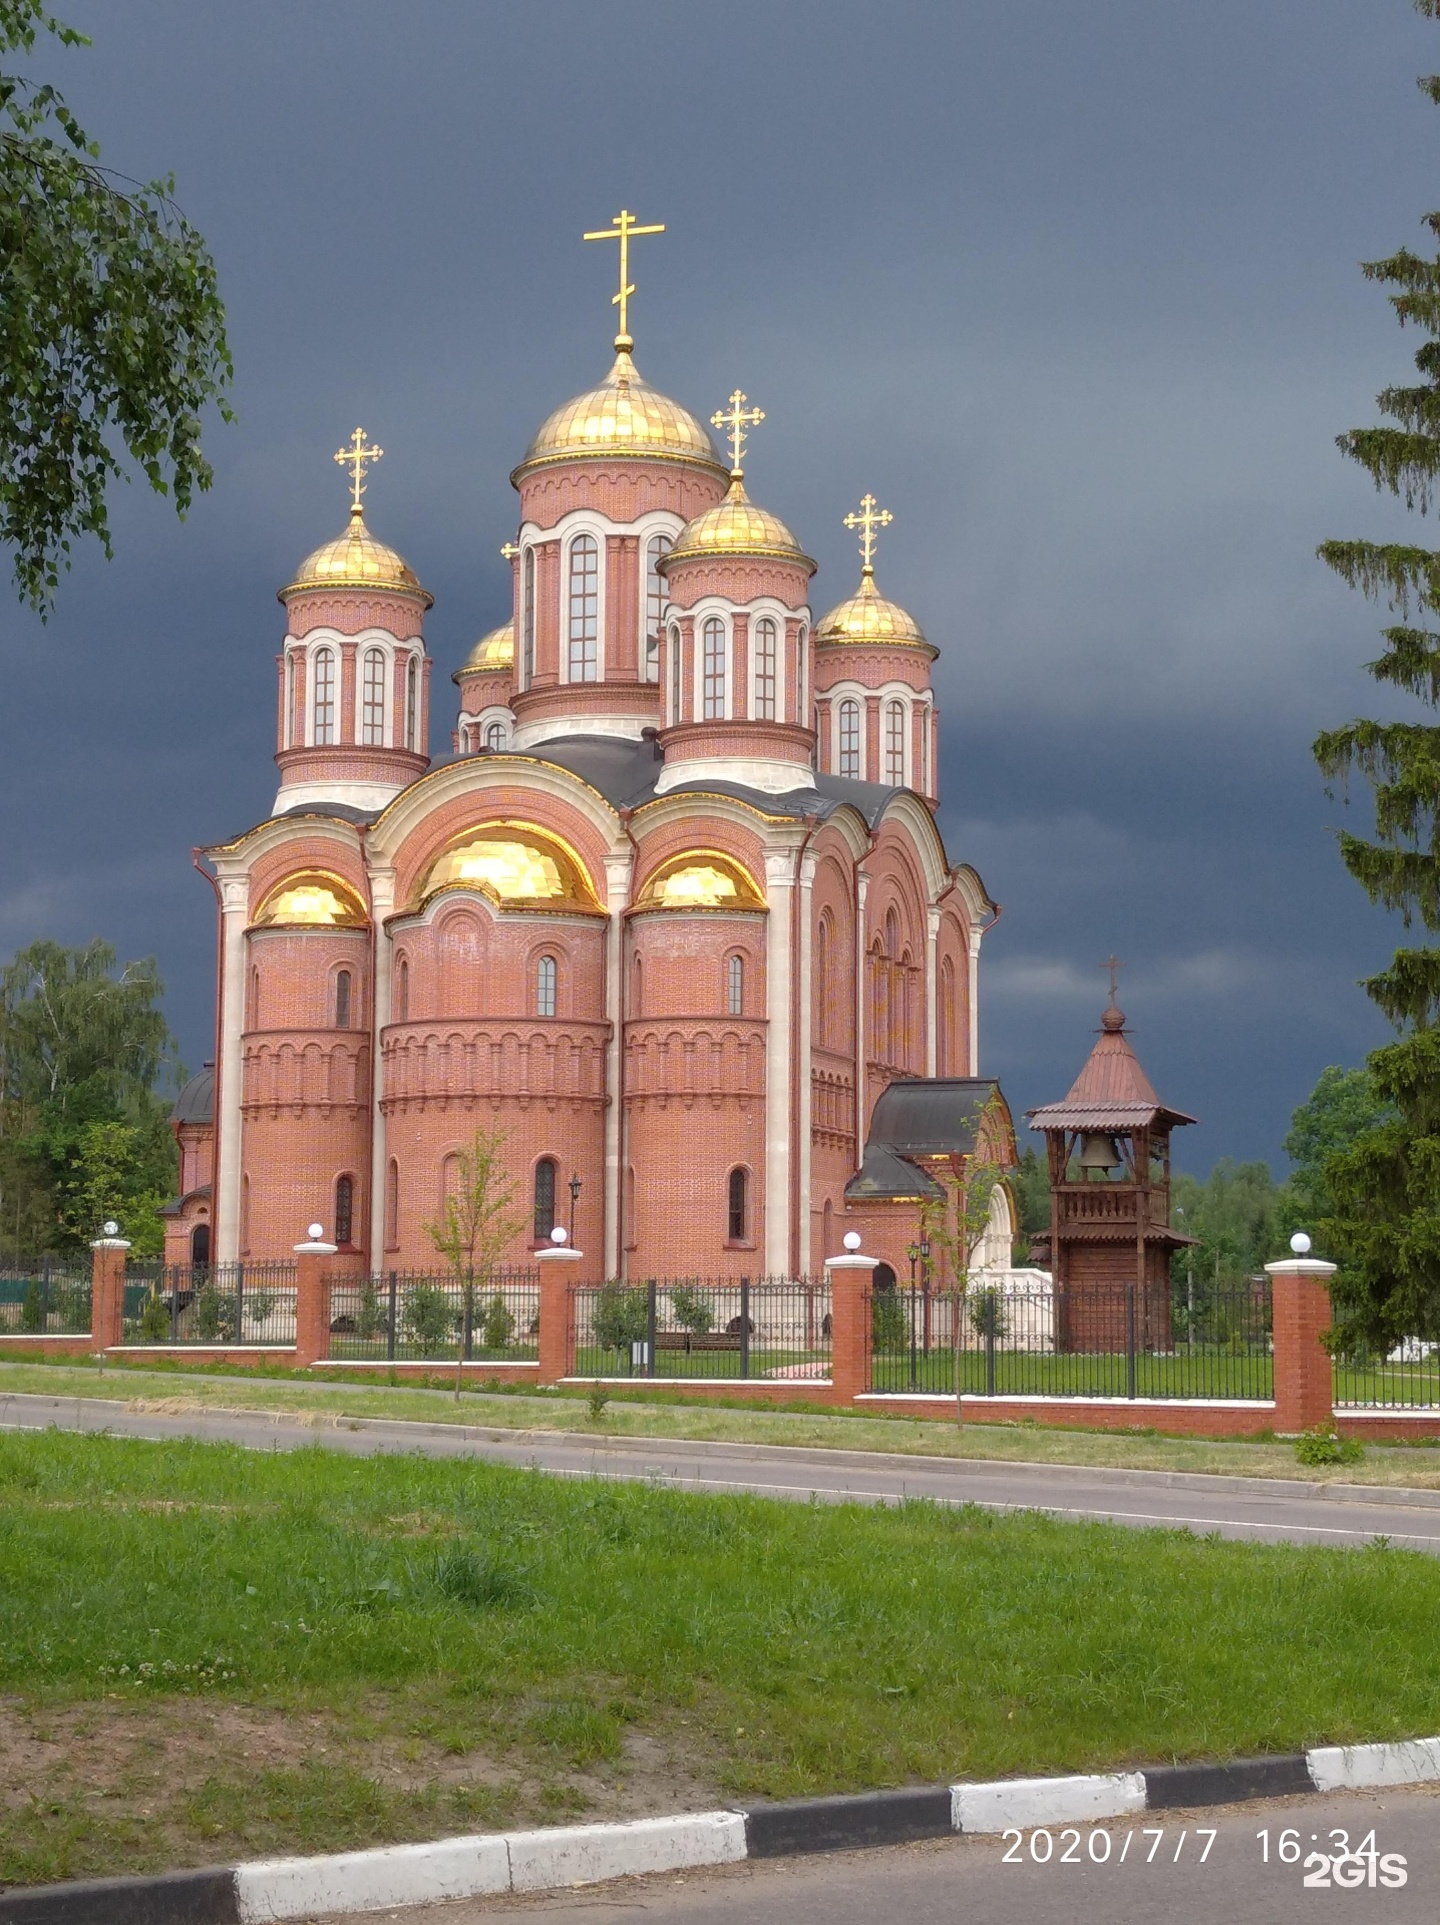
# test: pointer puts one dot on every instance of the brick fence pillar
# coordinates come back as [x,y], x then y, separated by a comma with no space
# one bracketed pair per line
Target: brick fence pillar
[559,1267]
[850,1277]
[107,1291]
[312,1298]
[1304,1383]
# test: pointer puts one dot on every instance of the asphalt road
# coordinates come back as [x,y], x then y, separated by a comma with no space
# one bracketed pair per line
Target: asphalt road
[1269,1509]
[955,1881]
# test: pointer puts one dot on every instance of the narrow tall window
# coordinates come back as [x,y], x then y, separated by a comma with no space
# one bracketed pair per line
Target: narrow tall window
[544,1198]
[584,609]
[323,730]
[545,975]
[713,691]
[527,619]
[822,982]
[895,744]
[800,656]
[344,1209]
[254,999]
[739,1206]
[392,1205]
[675,673]
[494,735]
[945,1042]
[735,985]
[372,699]
[637,988]
[342,999]
[765,662]
[657,598]
[290,716]
[402,990]
[412,704]
[849,763]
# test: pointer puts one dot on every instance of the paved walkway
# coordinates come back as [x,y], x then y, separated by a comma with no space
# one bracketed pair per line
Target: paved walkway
[1270,1509]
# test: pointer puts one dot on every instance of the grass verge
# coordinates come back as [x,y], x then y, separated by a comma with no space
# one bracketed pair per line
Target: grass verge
[206,1653]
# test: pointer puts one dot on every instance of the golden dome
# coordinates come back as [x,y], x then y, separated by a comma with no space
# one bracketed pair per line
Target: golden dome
[868,617]
[492,651]
[736,526]
[624,415]
[356,560]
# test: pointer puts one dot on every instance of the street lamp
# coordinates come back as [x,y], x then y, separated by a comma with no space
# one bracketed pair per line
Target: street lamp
[925,1286]
[574,1199]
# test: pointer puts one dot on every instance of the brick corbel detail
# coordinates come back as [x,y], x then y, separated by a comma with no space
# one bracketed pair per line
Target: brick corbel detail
[1300,1307]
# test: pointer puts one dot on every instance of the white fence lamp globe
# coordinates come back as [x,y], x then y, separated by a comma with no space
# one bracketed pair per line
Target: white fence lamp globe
[316,1232]
[558,1234]
[852,1239]
[110,1227]
[1300,1244]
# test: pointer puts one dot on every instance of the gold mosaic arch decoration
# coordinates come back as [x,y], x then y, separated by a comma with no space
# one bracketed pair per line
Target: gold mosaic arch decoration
[516,865]
[701,879]
[314,899]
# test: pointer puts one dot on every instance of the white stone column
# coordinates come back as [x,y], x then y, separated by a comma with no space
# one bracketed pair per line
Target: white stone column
[779,882]
[619,865]
[803,1067]
[382,902]
[975,936]
[229,1150]
[932,989]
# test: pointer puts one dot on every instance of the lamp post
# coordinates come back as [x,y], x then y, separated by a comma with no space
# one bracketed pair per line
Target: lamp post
[574,1199]
[925,1286]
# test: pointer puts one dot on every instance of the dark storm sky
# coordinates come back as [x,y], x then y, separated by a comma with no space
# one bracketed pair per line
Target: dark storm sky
[1072,288]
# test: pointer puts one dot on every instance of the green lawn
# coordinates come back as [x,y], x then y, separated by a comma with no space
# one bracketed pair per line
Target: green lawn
[307,1651]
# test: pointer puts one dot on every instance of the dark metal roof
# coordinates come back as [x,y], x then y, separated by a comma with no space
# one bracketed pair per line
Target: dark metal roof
[177,1204]
[196,1102]
[920,1116]
[885,1176]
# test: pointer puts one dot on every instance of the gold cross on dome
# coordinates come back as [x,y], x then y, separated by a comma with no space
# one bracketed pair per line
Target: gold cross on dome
[510,550]
[737,418]
[867,521]
[624,230]
[359,456]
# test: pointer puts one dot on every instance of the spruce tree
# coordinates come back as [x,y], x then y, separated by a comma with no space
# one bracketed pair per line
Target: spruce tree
[1385,1189]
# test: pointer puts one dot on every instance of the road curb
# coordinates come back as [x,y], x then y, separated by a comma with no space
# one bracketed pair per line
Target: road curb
[532,1861]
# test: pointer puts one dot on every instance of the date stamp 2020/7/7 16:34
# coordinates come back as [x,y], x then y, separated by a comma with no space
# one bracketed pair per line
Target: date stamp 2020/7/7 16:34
[1331,1863]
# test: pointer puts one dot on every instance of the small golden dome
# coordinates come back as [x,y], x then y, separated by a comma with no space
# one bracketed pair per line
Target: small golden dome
[356,560]
[624,415]
[492,651]
[868,617]
[736,526]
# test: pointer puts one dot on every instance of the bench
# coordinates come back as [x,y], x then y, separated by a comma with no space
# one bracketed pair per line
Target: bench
[695,1340]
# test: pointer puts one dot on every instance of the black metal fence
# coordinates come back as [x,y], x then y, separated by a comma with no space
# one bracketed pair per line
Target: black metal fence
[403,1316]
[1120,1341]
[687,1327]
[1406,1377]
[210,1305]
[45,1296]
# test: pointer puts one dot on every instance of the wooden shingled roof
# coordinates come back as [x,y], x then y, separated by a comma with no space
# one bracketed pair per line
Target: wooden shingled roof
[1112,1091]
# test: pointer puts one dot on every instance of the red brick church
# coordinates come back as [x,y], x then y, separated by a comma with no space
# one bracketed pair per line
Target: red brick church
[673,914]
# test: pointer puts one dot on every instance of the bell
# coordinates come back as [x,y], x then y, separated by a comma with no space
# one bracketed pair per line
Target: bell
[1099,1152]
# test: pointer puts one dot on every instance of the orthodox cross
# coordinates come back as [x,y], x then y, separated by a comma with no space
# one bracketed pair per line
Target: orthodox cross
[624,230]
[737,418]
[359,456]
[1114,965]
[510,550]
[867,521]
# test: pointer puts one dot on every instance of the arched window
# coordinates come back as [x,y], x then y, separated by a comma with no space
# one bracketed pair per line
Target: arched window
[675,672]
[291,718]
[494,735]
[735,985]
[344,1209]
[527,620]
[412,704]
[800,635]
[544,1198]
[637,988]
[849,761]
[402,990]
[895,744]
[584,665]
[372,699]
[323,730]
[342,999]
[945,1041]
[822,986]
[657,597]
[738,1210]
[545,977]
[925,751]
[200,1246]
[713,669]
[254,999]
[392,1205]
[766,649]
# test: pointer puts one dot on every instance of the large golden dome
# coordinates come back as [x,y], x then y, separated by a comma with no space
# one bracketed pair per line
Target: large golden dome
[492,651]
[868,617]
[735,526]
[624,415]
[356,560]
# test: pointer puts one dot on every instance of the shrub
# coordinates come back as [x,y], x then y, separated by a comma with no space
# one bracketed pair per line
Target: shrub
[214,1314]
[692,1312]
[1323,1445]
[429,1317]
[987,1314]
[369,1318]
[499,1325]
[621,1316]
[890,1330]
[155,1319]
[32,1310]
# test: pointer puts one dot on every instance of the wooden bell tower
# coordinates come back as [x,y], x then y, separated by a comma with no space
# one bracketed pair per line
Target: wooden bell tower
[1110,1234]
